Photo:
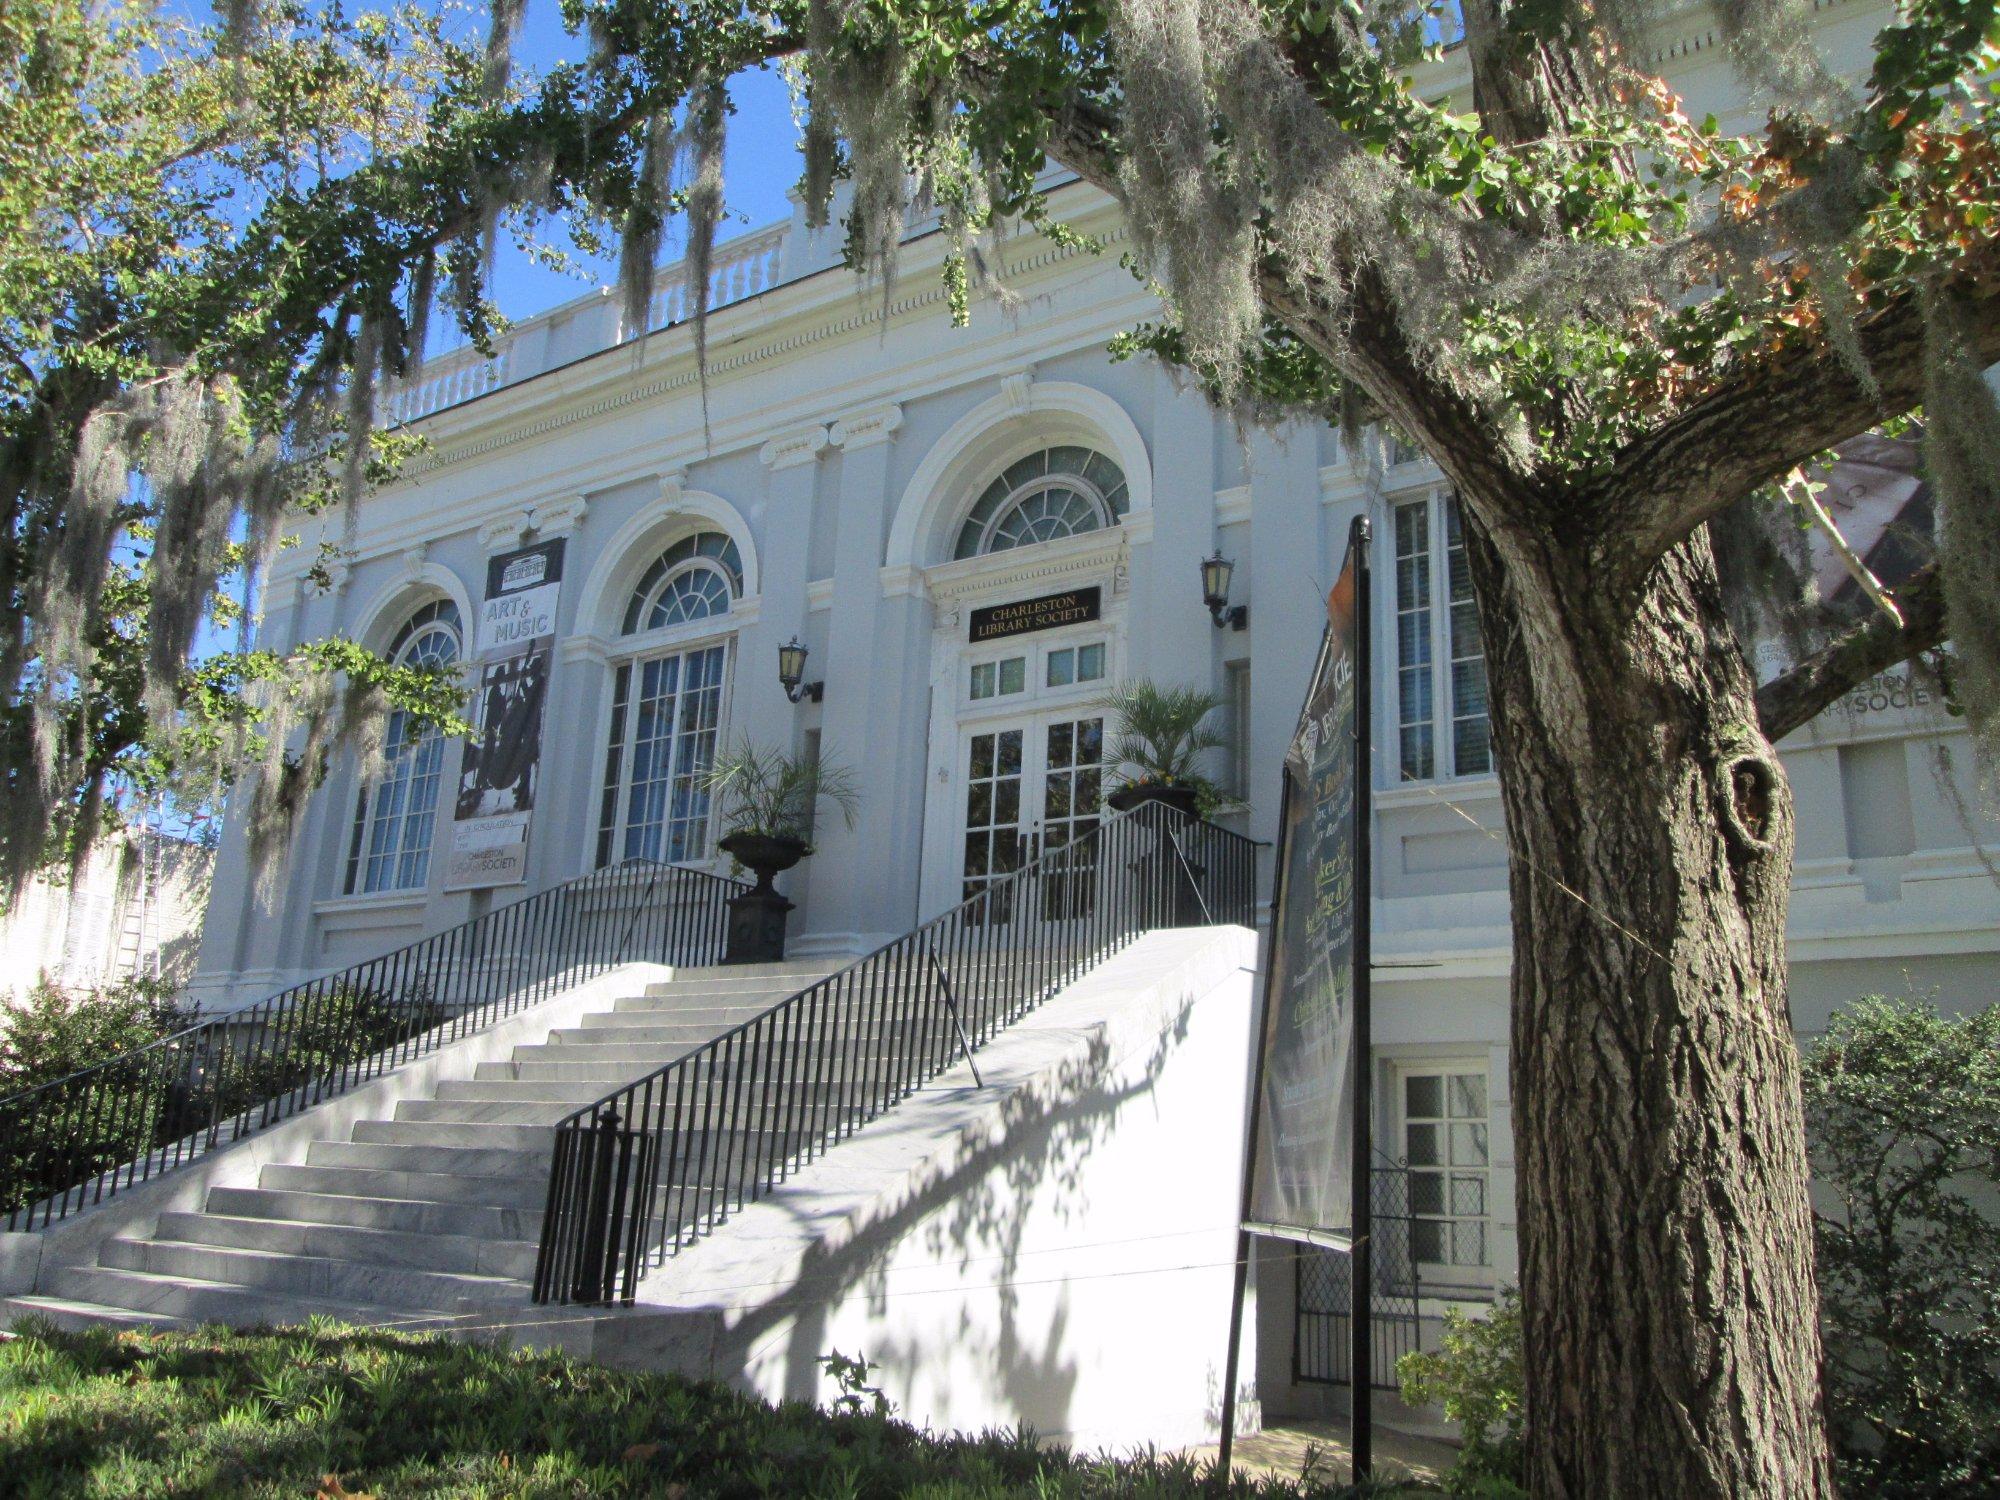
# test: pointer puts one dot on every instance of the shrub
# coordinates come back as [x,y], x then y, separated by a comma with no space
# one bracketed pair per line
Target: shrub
[1476,1377]
[133,1104]
[1903,1120]
[55,1031]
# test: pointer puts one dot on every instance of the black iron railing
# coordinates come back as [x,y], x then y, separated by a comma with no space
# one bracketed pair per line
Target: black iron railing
[1322,1345]
[657,1164]
[81,1139]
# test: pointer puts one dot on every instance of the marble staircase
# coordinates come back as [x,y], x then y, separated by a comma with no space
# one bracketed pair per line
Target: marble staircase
[418,1219]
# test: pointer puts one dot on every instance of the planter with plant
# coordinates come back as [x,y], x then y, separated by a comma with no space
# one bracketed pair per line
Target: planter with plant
[1158,738]
[769,801]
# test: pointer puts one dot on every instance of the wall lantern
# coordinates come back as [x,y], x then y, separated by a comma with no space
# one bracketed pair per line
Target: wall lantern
[792,672]
[1215,572]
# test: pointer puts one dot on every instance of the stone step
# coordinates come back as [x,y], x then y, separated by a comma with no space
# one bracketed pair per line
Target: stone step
[382,1247]
[435,1160]
[665,1036]
[573,1091]
[75,1317]
[314,1278]
[515,1139]
[398,1215]
[640,1058]
[523,1191]
[611,1072]
[197,1301]
[717,1017]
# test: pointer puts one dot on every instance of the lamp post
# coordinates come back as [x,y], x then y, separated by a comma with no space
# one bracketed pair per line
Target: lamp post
[1215,575]
[792,672]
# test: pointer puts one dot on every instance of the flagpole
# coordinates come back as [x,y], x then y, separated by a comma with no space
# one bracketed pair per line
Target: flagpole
[1361,1281]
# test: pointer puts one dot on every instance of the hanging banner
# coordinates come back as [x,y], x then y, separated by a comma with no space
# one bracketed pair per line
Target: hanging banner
[514,639]
[1312,1080]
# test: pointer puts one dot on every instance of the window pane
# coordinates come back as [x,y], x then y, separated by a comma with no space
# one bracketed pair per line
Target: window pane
[1468,1145]
[1468,1195]
[1468,1243]
[1090,663]
[1062,668]
[1013,674]
[1427,1240]
[982,680]
[1423,1097]
[1426,1192]
[1468,1096]
[1421,1146]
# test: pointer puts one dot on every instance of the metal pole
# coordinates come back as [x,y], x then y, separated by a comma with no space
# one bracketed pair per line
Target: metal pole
[1232,1357]
[1362,1282]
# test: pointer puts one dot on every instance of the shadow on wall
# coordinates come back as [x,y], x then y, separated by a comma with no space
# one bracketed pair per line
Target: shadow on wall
[1024,1180]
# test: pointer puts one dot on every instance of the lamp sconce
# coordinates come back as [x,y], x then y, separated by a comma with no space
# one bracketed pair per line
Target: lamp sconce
[1215,573]
[792,672]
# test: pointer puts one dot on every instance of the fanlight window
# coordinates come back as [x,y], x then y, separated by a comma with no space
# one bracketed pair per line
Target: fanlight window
[394,820]
[1055,493]
[695,579]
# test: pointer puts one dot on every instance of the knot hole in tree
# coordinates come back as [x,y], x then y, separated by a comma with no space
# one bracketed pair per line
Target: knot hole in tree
[1750,790]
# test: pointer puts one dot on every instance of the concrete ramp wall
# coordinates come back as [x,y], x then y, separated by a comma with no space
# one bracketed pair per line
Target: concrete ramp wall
[1053,1249]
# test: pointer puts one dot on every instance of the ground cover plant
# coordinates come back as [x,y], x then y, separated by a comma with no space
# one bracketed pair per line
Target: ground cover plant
[335,1412]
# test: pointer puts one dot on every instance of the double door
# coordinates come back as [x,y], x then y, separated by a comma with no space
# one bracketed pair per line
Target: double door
[1033,787]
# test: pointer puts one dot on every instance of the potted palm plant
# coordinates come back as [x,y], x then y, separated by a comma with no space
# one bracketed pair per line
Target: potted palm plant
[1158,737]
[769,802]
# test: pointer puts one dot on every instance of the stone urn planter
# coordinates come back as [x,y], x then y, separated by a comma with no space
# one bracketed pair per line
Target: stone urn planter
[757,917]
[1179,797]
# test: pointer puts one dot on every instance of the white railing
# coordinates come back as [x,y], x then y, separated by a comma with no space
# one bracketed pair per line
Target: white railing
[741,268]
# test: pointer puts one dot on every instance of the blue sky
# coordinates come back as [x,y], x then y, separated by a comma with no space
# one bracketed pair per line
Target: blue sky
[760,163]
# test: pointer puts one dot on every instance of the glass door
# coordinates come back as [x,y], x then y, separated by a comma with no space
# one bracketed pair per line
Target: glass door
[1072,773]
[1033,788]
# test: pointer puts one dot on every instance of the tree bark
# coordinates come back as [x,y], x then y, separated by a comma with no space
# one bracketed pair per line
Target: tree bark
[1672,1346]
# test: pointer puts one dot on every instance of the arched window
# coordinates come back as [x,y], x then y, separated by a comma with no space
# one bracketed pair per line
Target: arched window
[1057,492]
[667,709]
[692,580]
[397,814]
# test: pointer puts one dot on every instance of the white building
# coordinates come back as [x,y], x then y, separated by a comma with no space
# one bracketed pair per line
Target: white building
[859,475]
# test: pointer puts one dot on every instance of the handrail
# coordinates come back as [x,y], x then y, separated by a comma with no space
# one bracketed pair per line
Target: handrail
[80,1139]
[652,1166]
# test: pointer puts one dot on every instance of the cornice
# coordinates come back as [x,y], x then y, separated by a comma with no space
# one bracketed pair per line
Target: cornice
[950,584]
[684,375]
[819,594]
[1232,506]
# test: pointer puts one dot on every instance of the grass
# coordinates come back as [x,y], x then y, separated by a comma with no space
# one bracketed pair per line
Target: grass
[328,1411]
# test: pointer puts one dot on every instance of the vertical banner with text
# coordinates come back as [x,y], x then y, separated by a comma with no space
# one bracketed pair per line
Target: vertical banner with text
[513,648]
[1303,1171]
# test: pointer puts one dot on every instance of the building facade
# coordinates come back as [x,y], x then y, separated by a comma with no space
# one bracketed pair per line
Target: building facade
[853,473]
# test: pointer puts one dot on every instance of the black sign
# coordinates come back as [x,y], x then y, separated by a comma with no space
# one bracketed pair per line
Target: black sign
[527,568]
[1303,1173]
[1050,612]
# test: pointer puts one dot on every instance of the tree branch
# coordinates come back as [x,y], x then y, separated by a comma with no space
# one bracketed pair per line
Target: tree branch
[1363,338]
[1794,697]
[1778,415]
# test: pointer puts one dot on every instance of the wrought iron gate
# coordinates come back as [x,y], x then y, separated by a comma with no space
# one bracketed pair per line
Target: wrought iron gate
[1321,1347]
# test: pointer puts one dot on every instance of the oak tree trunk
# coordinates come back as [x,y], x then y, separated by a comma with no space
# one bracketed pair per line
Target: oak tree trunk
[1672,1347]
